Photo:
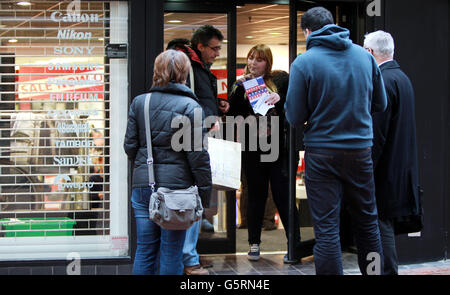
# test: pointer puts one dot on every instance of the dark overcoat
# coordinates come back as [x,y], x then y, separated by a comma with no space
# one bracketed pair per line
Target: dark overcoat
[395,149]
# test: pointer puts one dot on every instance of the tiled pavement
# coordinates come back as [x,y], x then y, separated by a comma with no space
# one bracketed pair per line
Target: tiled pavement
[272,264]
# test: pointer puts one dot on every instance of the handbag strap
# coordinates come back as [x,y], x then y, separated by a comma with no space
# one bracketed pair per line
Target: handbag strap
[151,173]
[191,79]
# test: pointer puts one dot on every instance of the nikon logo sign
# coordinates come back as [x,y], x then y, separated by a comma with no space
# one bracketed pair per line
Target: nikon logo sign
[74,18]
[74,35]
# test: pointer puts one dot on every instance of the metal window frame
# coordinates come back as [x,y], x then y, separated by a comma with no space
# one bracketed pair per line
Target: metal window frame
[106,146]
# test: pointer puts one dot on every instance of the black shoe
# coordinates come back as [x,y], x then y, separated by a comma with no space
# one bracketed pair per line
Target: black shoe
[270,226]
[287,261]
[242,226]
[305,249]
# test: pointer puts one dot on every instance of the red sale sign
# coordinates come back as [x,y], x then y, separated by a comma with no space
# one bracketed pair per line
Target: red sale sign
[60,83]
[221,76]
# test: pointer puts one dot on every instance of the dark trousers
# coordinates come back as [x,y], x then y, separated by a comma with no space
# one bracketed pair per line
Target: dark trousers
[332,176]
[269,213]
[388,243]
[259,175]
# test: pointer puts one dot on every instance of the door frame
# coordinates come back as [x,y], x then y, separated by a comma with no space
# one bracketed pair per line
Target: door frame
[217,245]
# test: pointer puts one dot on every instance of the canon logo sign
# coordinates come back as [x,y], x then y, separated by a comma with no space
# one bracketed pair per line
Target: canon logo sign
[57,16]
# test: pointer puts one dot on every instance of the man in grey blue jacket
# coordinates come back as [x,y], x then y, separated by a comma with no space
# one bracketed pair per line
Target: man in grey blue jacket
[334,87]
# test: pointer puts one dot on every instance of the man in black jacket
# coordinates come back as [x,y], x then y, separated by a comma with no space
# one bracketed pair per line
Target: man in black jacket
[204,49]
[394,151]
[206,43]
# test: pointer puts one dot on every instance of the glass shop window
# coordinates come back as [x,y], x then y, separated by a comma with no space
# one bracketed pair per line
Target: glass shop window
[60,191]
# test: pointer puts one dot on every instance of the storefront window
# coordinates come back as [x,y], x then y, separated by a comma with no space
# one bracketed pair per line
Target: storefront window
[62,170]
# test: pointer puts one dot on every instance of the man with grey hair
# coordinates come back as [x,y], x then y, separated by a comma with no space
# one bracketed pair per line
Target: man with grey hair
[394,151]
[381,45]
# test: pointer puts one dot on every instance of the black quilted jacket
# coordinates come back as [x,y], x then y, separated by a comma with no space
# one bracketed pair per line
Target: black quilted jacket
[173,169]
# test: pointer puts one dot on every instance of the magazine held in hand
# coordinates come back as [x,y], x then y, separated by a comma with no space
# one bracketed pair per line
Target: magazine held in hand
[257,94]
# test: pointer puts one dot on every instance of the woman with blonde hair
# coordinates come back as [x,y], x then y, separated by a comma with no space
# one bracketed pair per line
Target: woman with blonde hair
[257,172]
[174,167]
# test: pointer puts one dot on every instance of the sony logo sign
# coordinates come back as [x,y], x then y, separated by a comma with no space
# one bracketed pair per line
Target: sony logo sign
[57,16]
[73,35]
[73,50]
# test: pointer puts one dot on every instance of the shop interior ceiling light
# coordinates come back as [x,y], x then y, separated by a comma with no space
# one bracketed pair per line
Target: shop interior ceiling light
[13,40]
[24,3]
[175,21]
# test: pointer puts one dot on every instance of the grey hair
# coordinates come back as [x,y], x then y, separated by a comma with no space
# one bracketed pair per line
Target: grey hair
[381,43]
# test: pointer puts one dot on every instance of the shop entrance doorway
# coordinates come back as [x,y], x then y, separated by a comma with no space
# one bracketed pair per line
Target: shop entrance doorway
[245,24]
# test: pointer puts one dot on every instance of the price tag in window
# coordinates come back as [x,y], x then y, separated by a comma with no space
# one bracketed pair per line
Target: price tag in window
[119,243]
[116,50]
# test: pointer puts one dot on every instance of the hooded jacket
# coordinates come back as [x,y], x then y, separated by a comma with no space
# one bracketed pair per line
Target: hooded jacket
[334,86]
[205,83]
[173,169]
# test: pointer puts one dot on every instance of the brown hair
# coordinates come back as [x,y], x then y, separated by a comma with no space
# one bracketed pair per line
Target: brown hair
[263,51]
[171,66]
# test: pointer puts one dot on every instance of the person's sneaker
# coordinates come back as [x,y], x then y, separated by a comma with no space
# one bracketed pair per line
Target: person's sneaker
[253,254]
[206,226]
[195,270]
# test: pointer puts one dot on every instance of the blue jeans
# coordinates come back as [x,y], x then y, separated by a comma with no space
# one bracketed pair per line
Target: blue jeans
[331,176]
[190,255]
[154,241]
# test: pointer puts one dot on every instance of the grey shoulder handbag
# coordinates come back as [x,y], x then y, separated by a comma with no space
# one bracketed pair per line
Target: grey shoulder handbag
[170,209]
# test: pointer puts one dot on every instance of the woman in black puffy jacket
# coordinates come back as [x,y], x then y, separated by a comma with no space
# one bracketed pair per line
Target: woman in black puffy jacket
[259,172]
[178,163]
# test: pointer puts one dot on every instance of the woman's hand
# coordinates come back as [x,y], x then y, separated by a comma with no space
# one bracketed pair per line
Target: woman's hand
[215,127]
[245,78]
[273,98]
[224,106]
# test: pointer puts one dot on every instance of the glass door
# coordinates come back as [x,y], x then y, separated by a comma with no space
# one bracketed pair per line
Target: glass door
[181,20]
[268,24]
